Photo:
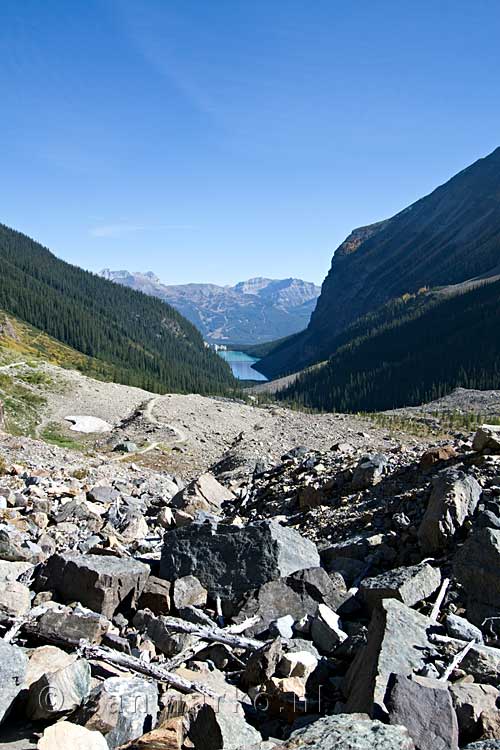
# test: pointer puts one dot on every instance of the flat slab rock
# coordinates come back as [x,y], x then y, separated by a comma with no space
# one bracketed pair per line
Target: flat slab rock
[88,425]
[409,585]
[101,583]
[346,732]
[229,560]
[397,643]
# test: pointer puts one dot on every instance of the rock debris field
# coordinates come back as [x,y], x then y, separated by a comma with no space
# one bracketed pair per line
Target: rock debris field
[293,582]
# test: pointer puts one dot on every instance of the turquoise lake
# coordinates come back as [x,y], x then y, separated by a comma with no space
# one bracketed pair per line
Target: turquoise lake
[241,365]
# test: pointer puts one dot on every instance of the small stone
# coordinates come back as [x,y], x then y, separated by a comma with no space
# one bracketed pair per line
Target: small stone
[282,627]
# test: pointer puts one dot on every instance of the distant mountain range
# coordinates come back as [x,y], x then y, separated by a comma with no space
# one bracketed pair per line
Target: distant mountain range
[251,312]
[411,306]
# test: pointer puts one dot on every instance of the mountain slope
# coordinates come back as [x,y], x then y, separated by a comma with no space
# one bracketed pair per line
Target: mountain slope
[143,341]
[448,237]
[250,312]
[412,351]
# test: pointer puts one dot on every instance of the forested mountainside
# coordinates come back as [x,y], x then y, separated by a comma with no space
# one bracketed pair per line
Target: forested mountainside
[448,237]
[144,341]
[415,349]
[251,312]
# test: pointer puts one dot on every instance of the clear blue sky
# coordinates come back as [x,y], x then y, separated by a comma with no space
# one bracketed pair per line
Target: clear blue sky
[214,140]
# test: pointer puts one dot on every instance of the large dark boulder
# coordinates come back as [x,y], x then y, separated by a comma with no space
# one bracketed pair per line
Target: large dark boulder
[101,583]
[229,560]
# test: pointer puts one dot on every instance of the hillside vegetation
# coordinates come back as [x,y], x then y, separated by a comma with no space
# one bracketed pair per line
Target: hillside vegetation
[122,334]
[412,350]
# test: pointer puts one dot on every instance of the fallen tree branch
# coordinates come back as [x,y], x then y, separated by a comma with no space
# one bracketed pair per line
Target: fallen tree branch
[440,597]
[218,635]
[108,655]
[456,661]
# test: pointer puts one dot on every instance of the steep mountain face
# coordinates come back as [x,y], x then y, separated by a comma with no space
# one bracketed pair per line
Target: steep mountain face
[250,312]
[138,340]
[448,237]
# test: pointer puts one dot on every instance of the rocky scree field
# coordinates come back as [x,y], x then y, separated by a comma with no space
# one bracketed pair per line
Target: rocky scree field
[341,592]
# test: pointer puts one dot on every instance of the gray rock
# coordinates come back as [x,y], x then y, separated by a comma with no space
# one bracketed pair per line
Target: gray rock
[484,745]
[101,583]
[122,709]
[346,732]
[211,729]
[297,595]
[487,438]
[453,499]
[188,592]
[204,493]
[409,585]
[73,625]
[59,692]
[326,630]
[17,547]
[229,560]
[103,494]
[155,596]
[397,644]
[476,567]
[369,471]
[426,710]
[15,600]
[481,662]
[470,700]
[126,447]
[160,634]
[13,665]
[262,664]
[459,627]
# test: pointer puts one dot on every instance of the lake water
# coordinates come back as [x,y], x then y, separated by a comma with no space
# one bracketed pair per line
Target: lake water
[241,365]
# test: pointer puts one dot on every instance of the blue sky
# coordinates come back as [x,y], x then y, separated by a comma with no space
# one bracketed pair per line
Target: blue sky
[215,140]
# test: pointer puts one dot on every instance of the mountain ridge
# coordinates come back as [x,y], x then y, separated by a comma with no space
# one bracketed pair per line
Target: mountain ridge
[250,312]
[446,238]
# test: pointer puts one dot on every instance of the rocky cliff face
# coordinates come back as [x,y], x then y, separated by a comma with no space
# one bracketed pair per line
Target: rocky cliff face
[250,312]
[448,237]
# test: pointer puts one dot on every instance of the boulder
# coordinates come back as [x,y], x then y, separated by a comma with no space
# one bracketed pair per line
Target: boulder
[453,499]
[262,664]
[487,438]
[15,600]
[369,471]
[155,596]
[482,663]
[160,634]
[484,745]
[396,644]
[73,625]
[67,735]
[13,666]
[326,630]
[436,456]
[409,585]
[210,729]
[476,567]
[60,691]
[343,732]
[204,493]
[459,627]
[122,709]
[297,664]
[470,700]
[188,592]
[297,595]
[101,583]
[426,710]
[42,660]
[168,736]
[229,560]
